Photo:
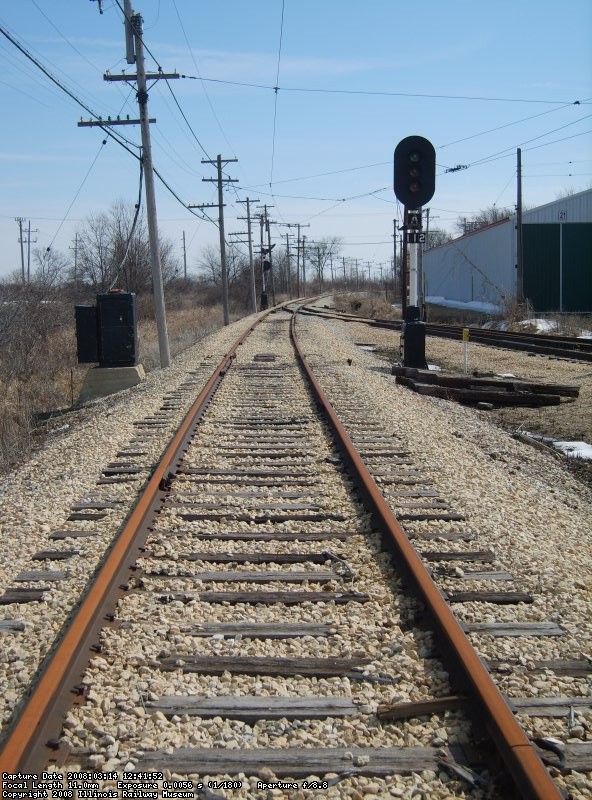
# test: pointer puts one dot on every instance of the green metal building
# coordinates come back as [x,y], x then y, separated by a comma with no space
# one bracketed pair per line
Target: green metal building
[557,258]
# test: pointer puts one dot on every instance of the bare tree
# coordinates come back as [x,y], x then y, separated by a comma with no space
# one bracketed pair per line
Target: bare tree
[321,254]
[114,247]
[51,268]
[437,237]
[486,216]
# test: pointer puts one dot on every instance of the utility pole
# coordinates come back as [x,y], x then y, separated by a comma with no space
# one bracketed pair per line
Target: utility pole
[184,258]
[29,252]
[265,222]
[134,46]
[248,202]
[294,225]
[303,267]
[160,312]
[19,221]
[75,249]
[271,277]
[519,253]
[219,162]
[288,287]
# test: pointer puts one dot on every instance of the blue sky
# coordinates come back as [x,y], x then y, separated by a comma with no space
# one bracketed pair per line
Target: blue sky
[477,79]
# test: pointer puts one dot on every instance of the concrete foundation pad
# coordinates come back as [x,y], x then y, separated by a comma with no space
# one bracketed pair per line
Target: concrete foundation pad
[103,381]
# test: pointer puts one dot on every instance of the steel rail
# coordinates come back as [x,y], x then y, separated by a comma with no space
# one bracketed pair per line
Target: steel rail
[530,776]
[28,746]
[570,347]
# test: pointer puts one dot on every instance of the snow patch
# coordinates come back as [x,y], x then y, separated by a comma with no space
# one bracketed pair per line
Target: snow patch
[570,449]
[472,305]
[540,325]
[575,449]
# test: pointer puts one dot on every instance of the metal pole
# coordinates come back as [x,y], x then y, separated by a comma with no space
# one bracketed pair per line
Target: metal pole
[394,260]
[519,259]
[413,274]
[404,280]
[159,307]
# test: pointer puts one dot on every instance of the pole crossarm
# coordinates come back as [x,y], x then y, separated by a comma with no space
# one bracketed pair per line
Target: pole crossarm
[215,161]
[220,181]
[205,205]
[248,220]
[150,76]
[91,123]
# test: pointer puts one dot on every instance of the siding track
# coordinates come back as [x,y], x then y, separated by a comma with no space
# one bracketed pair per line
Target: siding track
[256,627]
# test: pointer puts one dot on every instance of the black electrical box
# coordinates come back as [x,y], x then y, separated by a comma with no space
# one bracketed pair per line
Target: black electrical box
[413,333]
[108,332]
[87,347]
[117,329]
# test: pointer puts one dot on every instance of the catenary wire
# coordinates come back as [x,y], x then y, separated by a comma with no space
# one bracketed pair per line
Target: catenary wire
[275,100]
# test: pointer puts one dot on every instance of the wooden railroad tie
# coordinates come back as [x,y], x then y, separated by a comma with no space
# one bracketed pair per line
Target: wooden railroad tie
[298,762]
[477,389]
[354,669]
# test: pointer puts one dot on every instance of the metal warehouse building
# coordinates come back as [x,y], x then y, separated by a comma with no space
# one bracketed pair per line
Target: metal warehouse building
[557,260]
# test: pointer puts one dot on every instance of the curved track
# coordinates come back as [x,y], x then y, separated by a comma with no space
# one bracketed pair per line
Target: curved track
[570,347]
[237,594]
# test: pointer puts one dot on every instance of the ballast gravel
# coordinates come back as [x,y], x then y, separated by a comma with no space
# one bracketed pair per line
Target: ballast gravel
[519,502]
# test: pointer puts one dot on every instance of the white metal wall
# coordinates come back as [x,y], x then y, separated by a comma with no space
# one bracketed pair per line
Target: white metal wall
[575,208]
[481,266]
[477,267]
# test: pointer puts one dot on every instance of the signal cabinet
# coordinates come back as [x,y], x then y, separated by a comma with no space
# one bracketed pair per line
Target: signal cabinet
[87,346]
[107,333]
[117,329]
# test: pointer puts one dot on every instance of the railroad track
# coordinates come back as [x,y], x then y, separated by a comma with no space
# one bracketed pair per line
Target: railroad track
[570,347]
[248,621]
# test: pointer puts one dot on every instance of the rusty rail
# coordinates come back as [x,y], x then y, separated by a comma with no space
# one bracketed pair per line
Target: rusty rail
[528,772]
[27,748]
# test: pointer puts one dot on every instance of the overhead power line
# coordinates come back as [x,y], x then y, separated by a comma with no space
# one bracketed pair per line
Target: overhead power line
[371,93]
[275,100]
[117,137]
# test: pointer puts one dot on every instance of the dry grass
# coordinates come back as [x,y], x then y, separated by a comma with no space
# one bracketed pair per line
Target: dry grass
[365,304]
[49,378]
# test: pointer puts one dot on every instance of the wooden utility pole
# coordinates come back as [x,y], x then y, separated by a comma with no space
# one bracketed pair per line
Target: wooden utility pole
[519,253]
[289,283]
[219,162]
[288,287]
[184,258]
[248,202]
[303,267]
[159,307]
[19,221]
[134,46]
[75,249]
